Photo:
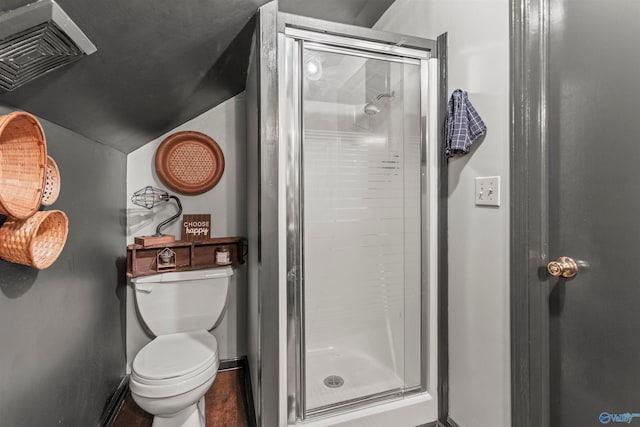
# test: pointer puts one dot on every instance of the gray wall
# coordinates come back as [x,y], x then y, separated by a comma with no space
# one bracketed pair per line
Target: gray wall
[61,329]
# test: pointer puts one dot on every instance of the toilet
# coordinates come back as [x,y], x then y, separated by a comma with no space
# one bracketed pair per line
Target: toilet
[171,374]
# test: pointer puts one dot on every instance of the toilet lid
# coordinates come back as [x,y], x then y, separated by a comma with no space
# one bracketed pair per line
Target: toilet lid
[176,355]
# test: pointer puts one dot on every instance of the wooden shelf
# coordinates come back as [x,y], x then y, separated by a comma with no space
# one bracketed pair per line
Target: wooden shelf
[189,255]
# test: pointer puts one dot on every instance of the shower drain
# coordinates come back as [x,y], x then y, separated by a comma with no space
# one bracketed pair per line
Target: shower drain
[333,381]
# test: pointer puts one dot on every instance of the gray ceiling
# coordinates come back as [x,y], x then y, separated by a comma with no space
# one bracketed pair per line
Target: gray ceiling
[159,63]
[363,13]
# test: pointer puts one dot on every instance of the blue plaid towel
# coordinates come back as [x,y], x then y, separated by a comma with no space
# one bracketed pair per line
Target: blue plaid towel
[464,125]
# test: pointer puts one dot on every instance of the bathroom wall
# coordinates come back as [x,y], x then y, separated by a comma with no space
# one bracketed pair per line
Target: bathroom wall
[62,329]
[479,376]
[226,202]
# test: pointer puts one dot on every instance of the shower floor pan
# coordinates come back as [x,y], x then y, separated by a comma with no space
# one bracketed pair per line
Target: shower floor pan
[338,375]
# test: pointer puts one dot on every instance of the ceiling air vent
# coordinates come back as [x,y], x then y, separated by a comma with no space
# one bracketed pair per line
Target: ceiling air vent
[36,39]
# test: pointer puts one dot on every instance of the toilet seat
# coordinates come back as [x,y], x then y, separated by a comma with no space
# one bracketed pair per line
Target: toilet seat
[174,364]
[175,355]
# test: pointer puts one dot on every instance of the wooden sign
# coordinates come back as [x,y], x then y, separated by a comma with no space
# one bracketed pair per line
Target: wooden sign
[196,227]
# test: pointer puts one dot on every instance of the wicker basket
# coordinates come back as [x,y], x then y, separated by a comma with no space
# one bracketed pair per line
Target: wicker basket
[36,241]
[23,158]
[51,183]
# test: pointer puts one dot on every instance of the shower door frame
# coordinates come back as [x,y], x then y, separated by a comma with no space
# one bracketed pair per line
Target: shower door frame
[294,32]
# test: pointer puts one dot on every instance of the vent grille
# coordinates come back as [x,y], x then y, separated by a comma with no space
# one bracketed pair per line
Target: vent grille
[33,43]
[34,52]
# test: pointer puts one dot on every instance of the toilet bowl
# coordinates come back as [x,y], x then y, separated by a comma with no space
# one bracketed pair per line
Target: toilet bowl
[171,374]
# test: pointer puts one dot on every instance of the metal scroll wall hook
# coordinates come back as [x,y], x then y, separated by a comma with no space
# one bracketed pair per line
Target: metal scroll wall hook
[173,218]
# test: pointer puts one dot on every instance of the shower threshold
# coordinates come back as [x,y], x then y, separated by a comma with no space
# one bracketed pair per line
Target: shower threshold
[380,411]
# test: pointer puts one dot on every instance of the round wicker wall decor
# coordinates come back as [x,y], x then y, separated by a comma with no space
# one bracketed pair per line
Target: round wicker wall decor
[23,159]
[189,162]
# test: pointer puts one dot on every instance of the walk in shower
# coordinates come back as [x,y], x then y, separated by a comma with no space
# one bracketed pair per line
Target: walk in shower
[346,183]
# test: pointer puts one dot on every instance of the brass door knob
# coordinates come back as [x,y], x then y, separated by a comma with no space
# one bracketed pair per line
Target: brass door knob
[563,267]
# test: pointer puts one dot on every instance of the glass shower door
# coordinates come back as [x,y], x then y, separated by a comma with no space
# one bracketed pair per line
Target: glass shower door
[360,220]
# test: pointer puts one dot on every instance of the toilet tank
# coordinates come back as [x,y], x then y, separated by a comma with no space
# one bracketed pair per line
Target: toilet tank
[182,301]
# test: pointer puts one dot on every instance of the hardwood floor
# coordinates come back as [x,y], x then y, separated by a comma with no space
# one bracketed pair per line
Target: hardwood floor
[130,415]
[225,402]
[228,403]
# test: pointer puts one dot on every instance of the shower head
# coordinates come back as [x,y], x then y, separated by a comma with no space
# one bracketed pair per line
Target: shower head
[371,109]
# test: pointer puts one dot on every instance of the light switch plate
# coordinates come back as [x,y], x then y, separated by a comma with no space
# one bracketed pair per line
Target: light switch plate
[488,191]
